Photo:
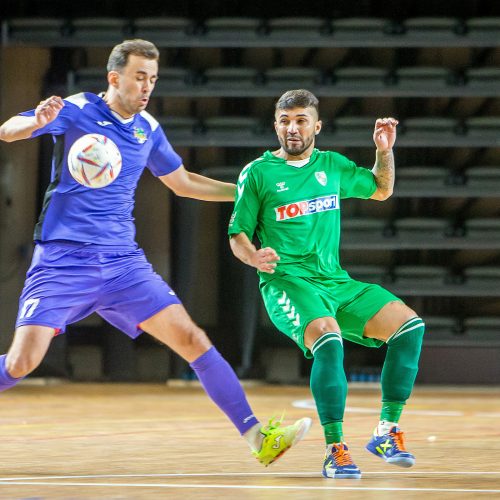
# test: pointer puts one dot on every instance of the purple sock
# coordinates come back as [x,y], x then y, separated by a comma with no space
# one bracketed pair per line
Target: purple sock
[6,381]
[222,385]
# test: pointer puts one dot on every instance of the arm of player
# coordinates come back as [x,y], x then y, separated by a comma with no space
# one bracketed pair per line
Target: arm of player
[191,185]
[264,259]
[21,127]
[384,137]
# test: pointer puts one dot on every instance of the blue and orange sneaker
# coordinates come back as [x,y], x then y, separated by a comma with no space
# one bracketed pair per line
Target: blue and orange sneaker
[391,448]
[338,463]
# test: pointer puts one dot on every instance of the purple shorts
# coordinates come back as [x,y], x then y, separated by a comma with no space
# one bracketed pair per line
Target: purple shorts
[67,282]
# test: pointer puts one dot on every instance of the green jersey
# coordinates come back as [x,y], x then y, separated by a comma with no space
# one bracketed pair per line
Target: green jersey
[296,210]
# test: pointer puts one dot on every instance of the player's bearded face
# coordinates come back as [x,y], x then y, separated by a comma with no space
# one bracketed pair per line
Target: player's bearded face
[296,129]
[295,145]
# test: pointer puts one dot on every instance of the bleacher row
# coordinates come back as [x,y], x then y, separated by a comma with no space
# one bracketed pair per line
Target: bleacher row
[437,181]
[431,280]
[473,331]
[421,233]
[251,131]
[247,31]
[409,81]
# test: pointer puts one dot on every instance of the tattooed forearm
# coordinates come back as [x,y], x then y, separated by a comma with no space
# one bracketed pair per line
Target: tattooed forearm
[383,171]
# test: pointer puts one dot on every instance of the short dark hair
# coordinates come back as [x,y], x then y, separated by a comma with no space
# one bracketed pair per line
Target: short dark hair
[299,98]
[118,58]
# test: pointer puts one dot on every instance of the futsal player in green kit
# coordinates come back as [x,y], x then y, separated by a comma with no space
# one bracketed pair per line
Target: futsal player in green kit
[292,199]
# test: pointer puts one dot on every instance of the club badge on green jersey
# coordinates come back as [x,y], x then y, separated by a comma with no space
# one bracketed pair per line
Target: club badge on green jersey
[321,178]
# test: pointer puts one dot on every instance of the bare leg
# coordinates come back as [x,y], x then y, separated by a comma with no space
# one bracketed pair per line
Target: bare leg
[174,327]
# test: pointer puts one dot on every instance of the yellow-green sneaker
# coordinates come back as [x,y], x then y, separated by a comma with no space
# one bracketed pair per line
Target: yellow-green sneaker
[279,439]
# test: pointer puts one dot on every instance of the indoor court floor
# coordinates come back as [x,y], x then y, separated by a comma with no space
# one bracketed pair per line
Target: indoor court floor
[153,441]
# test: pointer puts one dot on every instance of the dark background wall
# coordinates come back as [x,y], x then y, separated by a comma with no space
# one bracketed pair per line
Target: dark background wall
[201,8]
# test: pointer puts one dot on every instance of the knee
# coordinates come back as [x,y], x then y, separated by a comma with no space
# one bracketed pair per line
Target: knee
[318,328]
[21,365]
[195,337]
[193,342]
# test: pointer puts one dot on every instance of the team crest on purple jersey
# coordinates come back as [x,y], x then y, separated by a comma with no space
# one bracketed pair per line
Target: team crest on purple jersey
[140,135]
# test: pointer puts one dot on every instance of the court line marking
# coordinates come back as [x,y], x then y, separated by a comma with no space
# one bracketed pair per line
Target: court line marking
[8,480]
[251,487]
[310,405]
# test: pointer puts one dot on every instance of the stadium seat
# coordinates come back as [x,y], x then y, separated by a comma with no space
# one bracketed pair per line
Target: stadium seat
[420,275]
[482,276]
[432,127]
[231,126]
[356,27]
[231,77]
[484,28]
[483,227]
[431,27]
[360,229]
[87,80]
[421,177]
[172,77]
[423,77]
[232,28]
[98,29]
[285,27]
[483,126]
[483,329]
[421,228]
[43,30]
[360,77]
[292,77]
[163,29]
[488,76]
[354,126]
[487,177]
[441,329]
[178,126]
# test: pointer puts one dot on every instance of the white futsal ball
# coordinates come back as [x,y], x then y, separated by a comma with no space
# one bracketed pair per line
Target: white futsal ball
[94,161]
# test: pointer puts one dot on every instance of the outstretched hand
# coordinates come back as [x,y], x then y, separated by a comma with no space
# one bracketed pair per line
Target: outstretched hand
[384,134]
[48,110]
[265,260]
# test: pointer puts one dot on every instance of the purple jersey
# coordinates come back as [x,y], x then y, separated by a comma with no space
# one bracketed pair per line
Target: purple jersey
[73,212]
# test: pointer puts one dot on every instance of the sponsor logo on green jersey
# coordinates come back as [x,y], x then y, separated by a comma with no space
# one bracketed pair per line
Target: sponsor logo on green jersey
[307,207]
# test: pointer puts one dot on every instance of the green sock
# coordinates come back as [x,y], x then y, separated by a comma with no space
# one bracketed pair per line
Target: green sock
[329,384]
[401,367]
[333,433]
[391,411]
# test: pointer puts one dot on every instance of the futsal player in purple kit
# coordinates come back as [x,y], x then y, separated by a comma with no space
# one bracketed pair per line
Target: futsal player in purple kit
[86,259]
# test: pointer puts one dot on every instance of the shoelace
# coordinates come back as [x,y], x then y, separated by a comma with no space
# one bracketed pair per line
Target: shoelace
[341,456]
[273,424]
[398,440]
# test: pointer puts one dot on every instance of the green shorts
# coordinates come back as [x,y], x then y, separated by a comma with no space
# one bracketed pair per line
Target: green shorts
[293,302]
